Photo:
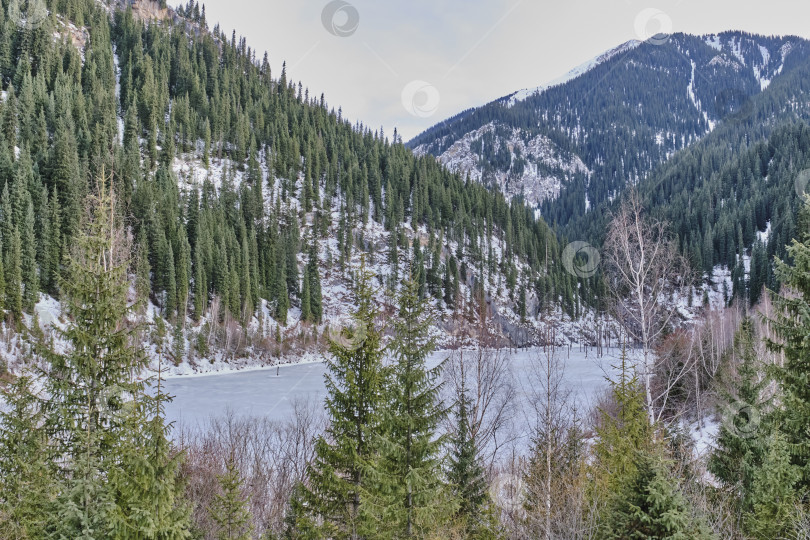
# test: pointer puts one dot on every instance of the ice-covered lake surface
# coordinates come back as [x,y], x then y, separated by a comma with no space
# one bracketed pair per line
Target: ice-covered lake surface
[272,391]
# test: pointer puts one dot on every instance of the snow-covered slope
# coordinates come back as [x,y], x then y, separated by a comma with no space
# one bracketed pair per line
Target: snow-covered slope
[544,166]
[613,119]
[581,69]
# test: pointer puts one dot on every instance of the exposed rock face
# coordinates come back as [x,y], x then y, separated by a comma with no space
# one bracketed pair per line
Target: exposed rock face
[609,123]
[149,10]
[537,167]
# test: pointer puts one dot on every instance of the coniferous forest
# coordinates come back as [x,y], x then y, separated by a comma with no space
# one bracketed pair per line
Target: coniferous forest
[169,205]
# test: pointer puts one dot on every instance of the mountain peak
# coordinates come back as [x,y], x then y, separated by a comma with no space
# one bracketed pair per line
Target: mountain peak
[613,118]
[581,69]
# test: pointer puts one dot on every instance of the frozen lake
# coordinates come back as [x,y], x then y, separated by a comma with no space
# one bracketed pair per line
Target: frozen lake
[271,392]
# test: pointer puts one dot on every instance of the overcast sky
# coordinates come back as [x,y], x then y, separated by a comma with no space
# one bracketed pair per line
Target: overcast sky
[410,64]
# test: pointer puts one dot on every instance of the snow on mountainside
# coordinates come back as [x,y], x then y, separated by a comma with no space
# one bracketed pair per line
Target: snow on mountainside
[546,165]
[264,342]
[581,69]
[613,119]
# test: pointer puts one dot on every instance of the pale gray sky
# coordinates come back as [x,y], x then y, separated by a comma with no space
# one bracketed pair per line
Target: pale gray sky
[410,64]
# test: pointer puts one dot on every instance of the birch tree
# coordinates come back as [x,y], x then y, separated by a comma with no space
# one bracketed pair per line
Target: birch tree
[647,277]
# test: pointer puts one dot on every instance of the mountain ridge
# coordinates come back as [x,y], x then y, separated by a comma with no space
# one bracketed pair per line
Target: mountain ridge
[700,80]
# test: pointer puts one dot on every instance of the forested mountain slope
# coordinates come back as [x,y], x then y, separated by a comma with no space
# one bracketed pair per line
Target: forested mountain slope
[733,195]
[579,143]
[248,199]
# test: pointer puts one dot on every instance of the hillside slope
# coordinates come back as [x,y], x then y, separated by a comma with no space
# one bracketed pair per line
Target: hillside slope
[250,203]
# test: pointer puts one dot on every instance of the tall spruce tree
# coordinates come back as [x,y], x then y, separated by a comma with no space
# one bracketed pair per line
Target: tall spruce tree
[306,313]
[623,435]
[409,500]
[93,394]
[773,495]
[28,261]
[28,479]
[354,385]
[792,327]
[147,485]
[2,280]
[465,473]
[13,300]
[143,279]
[312,276]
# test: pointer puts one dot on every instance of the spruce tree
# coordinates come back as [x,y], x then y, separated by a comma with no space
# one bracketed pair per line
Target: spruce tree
[296,524]
[147,483]
[282,298]
[7,223]
[465,472]
[28,259]
[409,499]
[13,270]
[312,277]
[2,281]
[354,384]
[650,506]
[170,303]
[183,275]
[200,284]
[773,496]
[245,283]
[143,272]
[739,445]
[53,258]
[792,327]
[230,509]
[28,480]
[306,313]
[521,303]
[93,393]
[622,436]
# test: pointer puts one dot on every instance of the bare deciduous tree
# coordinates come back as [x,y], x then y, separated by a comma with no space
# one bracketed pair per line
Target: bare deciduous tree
[647,277]
[271,457]
[555,503]
[487,377]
